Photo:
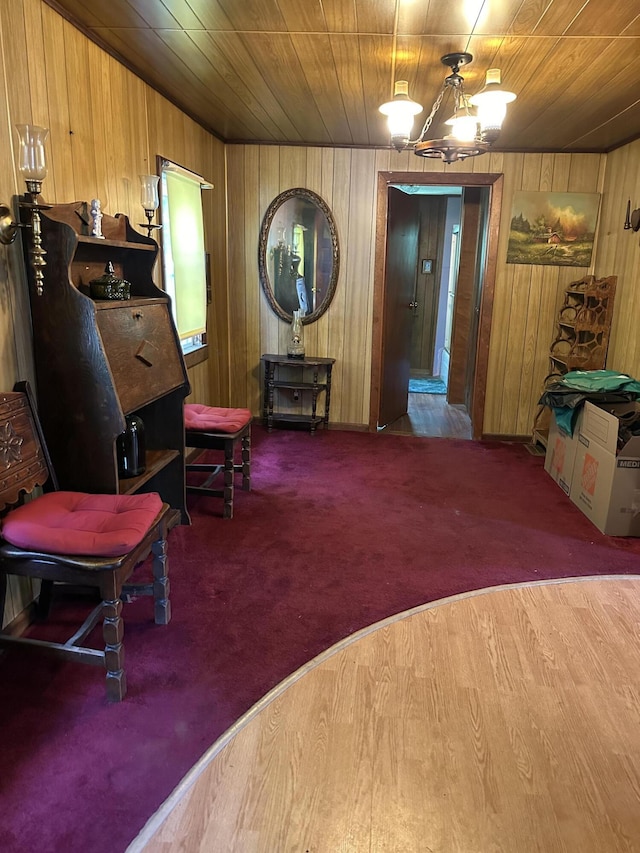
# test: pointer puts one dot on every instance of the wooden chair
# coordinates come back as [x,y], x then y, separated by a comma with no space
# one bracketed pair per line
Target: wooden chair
[75,538]
[219,428]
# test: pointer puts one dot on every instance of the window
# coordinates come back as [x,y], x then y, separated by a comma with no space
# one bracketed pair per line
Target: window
[183,252]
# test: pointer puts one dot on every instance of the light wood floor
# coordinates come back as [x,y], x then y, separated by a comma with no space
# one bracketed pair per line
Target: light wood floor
[431,415]
[505,720]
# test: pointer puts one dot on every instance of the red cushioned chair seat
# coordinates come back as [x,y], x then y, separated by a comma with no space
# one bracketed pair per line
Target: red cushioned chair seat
[214,419]
[78,523]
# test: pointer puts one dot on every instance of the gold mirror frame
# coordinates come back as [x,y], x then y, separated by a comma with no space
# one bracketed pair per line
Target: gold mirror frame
[266,247]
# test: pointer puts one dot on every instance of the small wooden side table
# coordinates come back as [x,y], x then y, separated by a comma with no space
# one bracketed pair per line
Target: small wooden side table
[321,381]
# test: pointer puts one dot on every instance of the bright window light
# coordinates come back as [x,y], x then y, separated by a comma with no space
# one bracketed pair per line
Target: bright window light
[183,252]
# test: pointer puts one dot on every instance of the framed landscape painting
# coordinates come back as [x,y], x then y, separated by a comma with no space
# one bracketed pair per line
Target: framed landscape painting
[552,228]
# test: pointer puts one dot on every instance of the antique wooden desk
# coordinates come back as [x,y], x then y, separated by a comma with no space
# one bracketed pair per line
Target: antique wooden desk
[99,360]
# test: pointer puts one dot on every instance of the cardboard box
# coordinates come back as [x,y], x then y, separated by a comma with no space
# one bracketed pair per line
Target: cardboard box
[605,484]
[561,453]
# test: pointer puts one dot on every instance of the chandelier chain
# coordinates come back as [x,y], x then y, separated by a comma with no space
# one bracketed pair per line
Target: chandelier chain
[434,110]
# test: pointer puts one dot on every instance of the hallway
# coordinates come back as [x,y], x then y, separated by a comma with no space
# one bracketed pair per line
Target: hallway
[431,415]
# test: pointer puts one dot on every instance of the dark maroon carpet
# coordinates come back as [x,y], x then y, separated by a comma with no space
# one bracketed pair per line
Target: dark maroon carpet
[341,529]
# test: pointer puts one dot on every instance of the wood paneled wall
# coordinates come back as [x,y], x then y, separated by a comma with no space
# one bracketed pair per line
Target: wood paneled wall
[256,174]
[618,253]
[526,297]
[106,128]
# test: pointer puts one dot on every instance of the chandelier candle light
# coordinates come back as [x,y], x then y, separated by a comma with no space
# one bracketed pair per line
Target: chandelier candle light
[471,134]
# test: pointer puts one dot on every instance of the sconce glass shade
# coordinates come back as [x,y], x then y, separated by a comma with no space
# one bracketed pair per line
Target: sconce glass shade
[400,112]
[149,192]
[464,127]
[463,123]
[492,105]
[31,159]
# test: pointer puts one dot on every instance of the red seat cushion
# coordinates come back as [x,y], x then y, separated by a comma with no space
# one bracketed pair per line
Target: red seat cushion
[214,419]
[78,523]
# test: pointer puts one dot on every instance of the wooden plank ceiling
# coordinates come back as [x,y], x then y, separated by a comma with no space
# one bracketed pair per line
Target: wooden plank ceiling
[315,71]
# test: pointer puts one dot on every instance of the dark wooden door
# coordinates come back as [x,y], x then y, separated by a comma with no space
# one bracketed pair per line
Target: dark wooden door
[400,283]
[463,337]
[432,212]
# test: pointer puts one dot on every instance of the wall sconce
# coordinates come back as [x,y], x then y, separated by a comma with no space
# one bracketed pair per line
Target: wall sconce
[470,135]
[33,168]
[149,200]
[632,218]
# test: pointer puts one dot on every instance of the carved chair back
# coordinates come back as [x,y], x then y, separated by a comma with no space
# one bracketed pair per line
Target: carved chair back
[24,462]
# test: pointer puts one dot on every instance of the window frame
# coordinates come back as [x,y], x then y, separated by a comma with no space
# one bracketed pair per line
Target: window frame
[193,353]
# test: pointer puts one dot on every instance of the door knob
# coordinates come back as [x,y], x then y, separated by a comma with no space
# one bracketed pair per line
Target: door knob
[413,305]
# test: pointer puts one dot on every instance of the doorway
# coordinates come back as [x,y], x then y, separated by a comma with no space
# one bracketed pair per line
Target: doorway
[394,295]
[438,211]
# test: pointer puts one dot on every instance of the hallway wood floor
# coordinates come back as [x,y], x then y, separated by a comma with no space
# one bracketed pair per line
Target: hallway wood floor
[431,415]
[501,720]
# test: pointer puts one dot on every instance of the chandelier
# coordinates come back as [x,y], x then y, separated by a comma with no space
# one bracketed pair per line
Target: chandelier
[471,134]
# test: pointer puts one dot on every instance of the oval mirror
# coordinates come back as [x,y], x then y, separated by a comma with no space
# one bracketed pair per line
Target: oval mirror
[298,255]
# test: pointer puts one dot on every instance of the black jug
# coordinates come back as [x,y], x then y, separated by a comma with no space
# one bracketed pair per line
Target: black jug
[131,448]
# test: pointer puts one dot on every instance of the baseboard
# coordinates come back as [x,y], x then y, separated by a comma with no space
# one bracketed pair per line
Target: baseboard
[515,439]
[350,427]
[320,427]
